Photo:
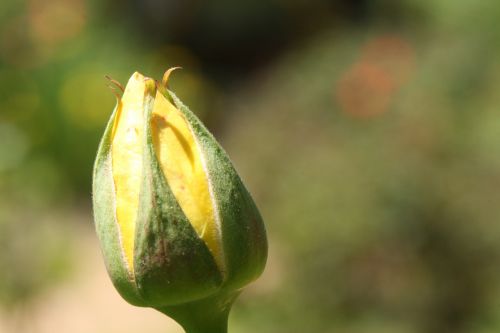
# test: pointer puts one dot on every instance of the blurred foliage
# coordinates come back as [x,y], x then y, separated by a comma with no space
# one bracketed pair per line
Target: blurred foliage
[35,254]
[366,130]
[372,154]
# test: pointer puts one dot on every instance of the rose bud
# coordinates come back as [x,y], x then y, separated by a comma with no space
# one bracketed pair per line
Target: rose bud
[178,229]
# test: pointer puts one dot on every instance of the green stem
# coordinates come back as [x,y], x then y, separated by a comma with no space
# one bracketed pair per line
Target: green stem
[209,315]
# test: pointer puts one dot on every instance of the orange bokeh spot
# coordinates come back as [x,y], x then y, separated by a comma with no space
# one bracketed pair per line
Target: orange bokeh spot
[55,21]
[368,87]
[394,54]
[365,90]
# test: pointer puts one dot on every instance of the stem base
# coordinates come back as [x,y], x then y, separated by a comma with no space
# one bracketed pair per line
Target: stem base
[209,315]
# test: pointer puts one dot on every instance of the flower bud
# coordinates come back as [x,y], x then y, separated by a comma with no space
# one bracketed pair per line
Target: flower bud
[178,229]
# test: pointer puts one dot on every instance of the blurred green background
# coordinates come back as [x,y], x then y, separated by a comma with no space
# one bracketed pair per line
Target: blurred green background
[367,131]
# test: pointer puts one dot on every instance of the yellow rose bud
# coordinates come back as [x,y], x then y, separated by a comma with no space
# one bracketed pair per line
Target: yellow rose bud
[178,230]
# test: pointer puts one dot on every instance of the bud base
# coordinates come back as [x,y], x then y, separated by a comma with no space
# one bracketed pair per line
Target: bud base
[209,315]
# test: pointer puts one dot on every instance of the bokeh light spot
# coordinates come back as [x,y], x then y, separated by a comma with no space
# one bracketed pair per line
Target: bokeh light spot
[392,53]
[365,90]
[368,87]
[84,98]
[54,21]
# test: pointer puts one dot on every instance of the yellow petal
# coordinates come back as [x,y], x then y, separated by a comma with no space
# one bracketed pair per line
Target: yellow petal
[126,155]
[184,168]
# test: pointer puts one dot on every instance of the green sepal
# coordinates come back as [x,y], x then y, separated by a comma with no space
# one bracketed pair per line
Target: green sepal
[172,263]
[104,206]
[243,233]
